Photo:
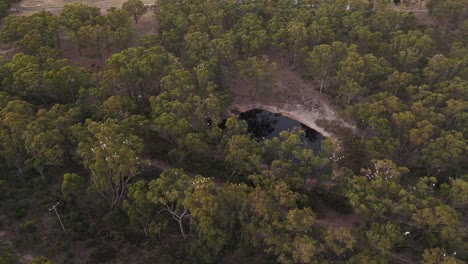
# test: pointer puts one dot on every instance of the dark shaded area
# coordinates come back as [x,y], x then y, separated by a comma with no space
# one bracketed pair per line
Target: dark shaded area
[263,124]
[151,173]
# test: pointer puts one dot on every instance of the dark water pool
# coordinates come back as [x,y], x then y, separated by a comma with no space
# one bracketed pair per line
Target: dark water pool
[263,124]
[151,173]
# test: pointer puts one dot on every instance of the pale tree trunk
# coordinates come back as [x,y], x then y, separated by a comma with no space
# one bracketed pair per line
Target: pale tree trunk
[145,227]
[181,228]
[41,172]
[58,39]
[294,58]
[179,217]
[323,80]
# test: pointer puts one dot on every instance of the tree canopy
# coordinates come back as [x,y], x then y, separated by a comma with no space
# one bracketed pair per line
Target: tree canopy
[134,142]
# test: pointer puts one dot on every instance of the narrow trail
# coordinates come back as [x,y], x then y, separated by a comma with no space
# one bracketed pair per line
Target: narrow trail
[164,165]
[160,164]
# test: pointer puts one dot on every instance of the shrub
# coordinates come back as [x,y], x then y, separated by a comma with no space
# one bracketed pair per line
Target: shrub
[73,186]
[7,255]
[41,260]
[18,213]
[3,189]
[28,227]
[101,254]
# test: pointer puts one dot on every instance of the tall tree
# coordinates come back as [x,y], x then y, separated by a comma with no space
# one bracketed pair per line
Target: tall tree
[14,118]
[297,38]
[259,73]
[351,74]
[118,27]
[141,210]
[76,15]
[169,193]
[31,32]
[135,71]
[44,77]
[73,186]
[44,142]
[250,33]
[323,60]
[244,154]
[113,155]
[136,8]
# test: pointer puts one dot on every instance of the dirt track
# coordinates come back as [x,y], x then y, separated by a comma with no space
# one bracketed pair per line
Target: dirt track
[31,6]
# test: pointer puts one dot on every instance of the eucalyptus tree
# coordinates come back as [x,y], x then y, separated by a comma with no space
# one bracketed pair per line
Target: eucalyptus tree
[259,73]
[136,8]
[14,119]
[322,62]
[112,154]
[44,142]
[29,33]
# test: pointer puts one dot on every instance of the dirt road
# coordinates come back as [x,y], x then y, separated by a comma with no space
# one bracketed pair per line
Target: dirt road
[53,6]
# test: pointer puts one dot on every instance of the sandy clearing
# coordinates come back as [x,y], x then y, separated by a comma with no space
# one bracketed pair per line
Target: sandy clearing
[291,97]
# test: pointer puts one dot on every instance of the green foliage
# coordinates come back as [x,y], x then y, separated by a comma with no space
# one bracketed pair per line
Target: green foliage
[3,189]
[76,15]
[31,32]
[7,255]
[450,10]
[43,141]
[384,237]
[274,208]
[250,33]
[323,60]
[41,260]
[244,154]
[18,212]
[73,186]
[77,225]
[101,254]
[27,227]
[141,210]
[439,255]
[134,7]
[4,8]
[182,110]
[408,49]
[443,152]
[290,161]
[402,83]
[367,257]
[87,28]
[259,74]
[456,193]
[44,77]
[169,193]
[339,241]
[91,36]
[14,118]
[113,155]
[135,71]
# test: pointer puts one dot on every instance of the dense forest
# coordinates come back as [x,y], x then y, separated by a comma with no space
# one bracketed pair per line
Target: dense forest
[143,163]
